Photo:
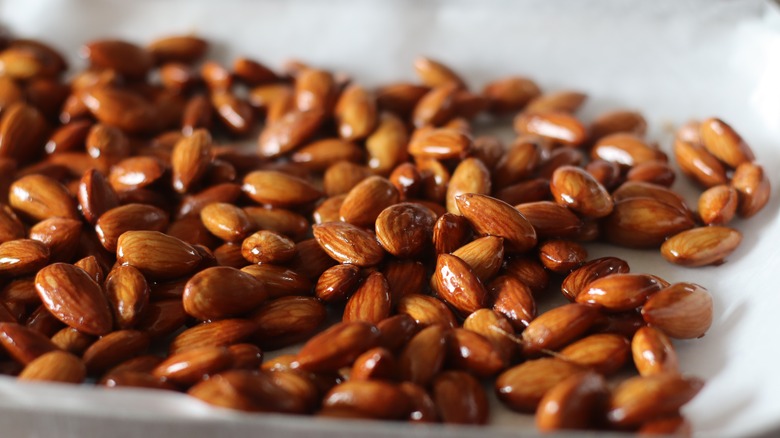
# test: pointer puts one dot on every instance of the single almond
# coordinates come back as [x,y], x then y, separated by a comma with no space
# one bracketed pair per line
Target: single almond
[682,311]
[718,205]
[472,352]
[337,346]
[484,255]
[562,256]
[605,353]
[226,221]
[55,366]
[289,132]
[698,164]
[74,298]
[626,149]
[450,232]
[434,73]
[189,367]
[458,285]
[156,254]
[280,280]
[347,243]
[125,58]
[95,195]
[510,94]
[321,154]
[288,320]
[22,256]
[396,331]
[619,292]
[23,344]
[135,173]
[578,402]
[21,132]
[579,279]
[386,145]
[560,127]
[73,341]
[566,101]
[550,219]
[460,398]
[371,301]
[644,223]
[370,398]
[279,189]
[222,292]
[654,172]
[753,188]
[128,295]
[471,176]
[355,113]
[129,217]
[557,327]
[404,229]
[315,90]
[576,189]
[513,299]
[529,271]
[638,189]
[122,108]
[701,246]
[114,348]
[190,159]
[489,216]
[278,220]
[367,199]
[653,352]
[41,197]
[375,364]
[267,247]
[424,355]
[179,48]
[616,121]
[234,112]
[222,333]
[523,386]
[722,141]
[644,398]
[440,144]
[518,162]
[60,235]
[426,310]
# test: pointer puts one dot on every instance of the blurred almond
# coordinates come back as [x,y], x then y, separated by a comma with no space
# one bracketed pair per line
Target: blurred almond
[523,386]
[510,94]
[179,48]
[222,333]
[616,121]
[41,197]
[559,127]
[626,150]
[347,243]
[640,399]
[718,205]
[426,310]
[190,159]
[386,145]
[424,355]
[22,256]
[55,366]
[698,164]
[289,132]
[23,344]
[189,367]
[484,255]
[682,310]
[460,398]
[644,223]
[604,353]
[471,176]
[21,132]
[722,141]
[278,189]
[370,302]
[288,320]
[434,73]
[440,143]
[60,235]
[135,173]
[128,295]
[337,346]
[653,352]
[355,113]
[567,101]
[753,188]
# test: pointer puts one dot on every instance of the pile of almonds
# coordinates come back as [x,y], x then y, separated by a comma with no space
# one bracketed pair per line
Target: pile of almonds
[404,251]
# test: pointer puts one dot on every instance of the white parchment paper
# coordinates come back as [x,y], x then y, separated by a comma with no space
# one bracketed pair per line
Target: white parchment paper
[674,60]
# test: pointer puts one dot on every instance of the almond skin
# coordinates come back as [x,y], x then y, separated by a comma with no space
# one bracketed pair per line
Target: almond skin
[424,354]
[129,217]
[513,299]
[371,301]
[718,205]
[442,143]
[471,176]
[337,346]
[41,197]
[190,159]
[560,127]
[278,189]
[267,247]
[701,246]
[21,129]
[484,255]
[489,216]
[456,283]
[74,298]
[578,402]
[641,399]
[189,367]
[55,366]
[626,149]
[557,327]
[355,113]
[405,229]
[22,256]
[566,101]
[222,292]
[682,310]
[156,254]
[95,195]
[347,243]
[426,310]
[220,333]
[698,164]
[366,201]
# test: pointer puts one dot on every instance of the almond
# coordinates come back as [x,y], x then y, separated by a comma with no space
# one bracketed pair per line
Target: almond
[577,281]
[375,364]
[23,344]
[55,366]
[653,352]
[424,354]
[566,101]
[626,149]
[190,159]
[278,220]
[355,113]
[472,352]
[604,353]
[550,219]
[698,164]
[722,141]
[578,402]
[753,188]
[560,127]
[374,399]
[289,132]
[682,310]
[220,333]
[434,73]
[128,295]
[460,399]
[234,112]
[95,195]
[458,285]
[510,94]
[641,399]
[72,340]
[22,256]
[162,318]
[315,90]
[11,228]
[74,298]
[701,246]
[113,349]
[426,310]
[193,204]
[285,321]
[616,121]
[41,197]
[135,173]
[450,232]
[489,216]
[267,247]
[513,299]
[347,243]
[523,386]
[321,154]
[156,254]
[337,283]
[121,108]
[60,235]
[371,301]
[367,199]
[279,189]
[471,176]
[190,367]
[179,48]
[404,229]
[130,217]
[337,346]
[518,162]
[311,260]
[718,205]
[644,223]
[125,58]
[396,331]
[654,172]
[484,255]
[557,327]
[637,189]
[442,143]
[386,146]
[562,256]
[21,132]
[619,292]
[559,157]
[576,189]
[226,221]
[280,280]
[222,292]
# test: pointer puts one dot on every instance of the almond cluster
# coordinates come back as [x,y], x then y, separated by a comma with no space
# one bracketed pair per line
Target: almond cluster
[143,245]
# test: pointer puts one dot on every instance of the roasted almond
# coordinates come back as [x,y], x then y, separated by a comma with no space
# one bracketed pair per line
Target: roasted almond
[701,246]
[626,149]
[337,346]
[523,386]
[22,256]
[644,223]
[278,220]
[288,132]
[613,122]
[434,73]
[404,229]
[576,189]
[128,295]
[396,331]
[424,355]
[718,205]
[189,367]
[226,221]
[370,398]
[472,352]
[682,310]
[337,283]
[605,353]
[653,352]
[484,255]
[279,189]
[285,321]
[562,256]
[21,132]
[441,143]
[347,243]
[371,301]
[557,126]
[355,113]
[644,398]
[578,402]
[41,197]
[121,108]
[55,366]
[460,398]
[529,271]
[74,298]
[698,164]
[222,292]
[753,188]
[190,160]
[179,48]
[513,299]
[450,232]
[23,344]
[156,254]
[321,154]
[95,195]
[619,292]
[566,101]
[125,58]
[114,348]
[366,201]
[489,216]
[135,173]
[579,279]
[129,217]
[510,94]
[222,333]
[386,146]
[375,364]
[457,284]
[426,310]
[557,327]
[315,90]
[722,141]
[471,176]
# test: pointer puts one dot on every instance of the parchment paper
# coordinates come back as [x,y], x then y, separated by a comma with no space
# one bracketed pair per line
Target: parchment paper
[674,60]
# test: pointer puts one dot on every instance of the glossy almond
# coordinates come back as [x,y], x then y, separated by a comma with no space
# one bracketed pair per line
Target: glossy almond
[440,144]
[484,255]
[460,398]
[644,223]
[21,132]
[135,173]
[278,189]
[604,353]
[234,112]
[121,108]
[578,402]
[638,189]
[226,221]
[179,48]
[682,310]
[619,292]
[395,332]
[550,219]
[60,235]
[371,302]
[347,243]
[434,73]
[722,141]
[653,352]
[518,162]
[576,189]
[562,256]
[190,159]
[22,256]
[74,298]
[222,333]
[616,121]
[114,348]
[701,246]
[626,150]
[386,146]
[355,113]
[472,352]
[374,399]
[458,285]
[579,279]
[641,399]
[560,127]
[95,195]
[450,232]
[513,299]
[11,228]
[55,366]
[123,57]
[698,164]
[424,355]
[41,197]
[404,229]
[23,344]
[278,220]
[129,217]
[489,216]
[128,295]
[510,94]
[523,386]
[426,310]
[156,254]
[189,367]
[471,176]
[289,132]
[557,327]
[285,321]
[753,188]
[222,292]
[337,346]
[566,101]
[367,199]
[718,205]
